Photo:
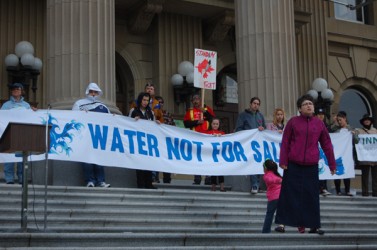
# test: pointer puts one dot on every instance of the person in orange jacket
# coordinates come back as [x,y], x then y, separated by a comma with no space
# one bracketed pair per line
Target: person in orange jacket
[198,118]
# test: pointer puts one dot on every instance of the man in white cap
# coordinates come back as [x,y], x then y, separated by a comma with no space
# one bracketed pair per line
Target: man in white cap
[94,174]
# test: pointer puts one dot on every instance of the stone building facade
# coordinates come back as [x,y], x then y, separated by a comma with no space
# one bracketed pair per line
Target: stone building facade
[272,49]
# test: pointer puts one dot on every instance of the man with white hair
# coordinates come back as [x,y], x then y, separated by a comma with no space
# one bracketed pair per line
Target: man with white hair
[94,174]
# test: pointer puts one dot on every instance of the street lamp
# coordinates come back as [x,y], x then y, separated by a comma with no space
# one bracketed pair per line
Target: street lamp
[23,67]
[183,83]
[322,95]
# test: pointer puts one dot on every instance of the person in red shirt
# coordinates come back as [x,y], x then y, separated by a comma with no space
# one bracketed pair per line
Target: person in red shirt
[215,124]
[198,119]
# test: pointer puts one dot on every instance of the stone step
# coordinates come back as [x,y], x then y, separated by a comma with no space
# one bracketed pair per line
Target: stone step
[299,247]
[182,240]
[80,218]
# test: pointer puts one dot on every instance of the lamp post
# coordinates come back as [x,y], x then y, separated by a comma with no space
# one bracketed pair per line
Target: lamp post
[322,95]
[23,67]
[183,83]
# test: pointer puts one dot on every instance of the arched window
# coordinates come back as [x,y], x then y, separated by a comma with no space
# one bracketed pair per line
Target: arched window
[355,104]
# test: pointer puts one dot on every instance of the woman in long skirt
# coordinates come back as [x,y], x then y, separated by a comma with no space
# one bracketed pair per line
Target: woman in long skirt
[298,204]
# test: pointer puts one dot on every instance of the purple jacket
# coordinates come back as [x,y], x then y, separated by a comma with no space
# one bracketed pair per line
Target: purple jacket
[300,142]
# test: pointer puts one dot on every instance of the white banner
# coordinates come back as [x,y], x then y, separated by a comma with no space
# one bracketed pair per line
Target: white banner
[205,69]
[367,147]
[120,141]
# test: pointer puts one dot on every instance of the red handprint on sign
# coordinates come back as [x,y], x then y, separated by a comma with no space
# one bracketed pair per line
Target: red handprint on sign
[205,68]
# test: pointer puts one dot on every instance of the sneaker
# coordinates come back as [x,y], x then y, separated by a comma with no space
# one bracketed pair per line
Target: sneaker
[280,229]
[90,184]
[104,185]
[325,192]
[254,190]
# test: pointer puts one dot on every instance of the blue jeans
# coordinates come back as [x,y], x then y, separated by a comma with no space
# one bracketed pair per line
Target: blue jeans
[9,172]
[93,173]
[271,208]
[254,180]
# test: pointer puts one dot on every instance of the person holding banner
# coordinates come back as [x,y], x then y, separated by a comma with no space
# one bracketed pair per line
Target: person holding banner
[342,127]
[215,124]
[278,121]
[15,102]
[298,204]
[155,105]
[252,118]
[323,183]
[169,120]
[143,111]
[367,122]
[94,174]
[198,118]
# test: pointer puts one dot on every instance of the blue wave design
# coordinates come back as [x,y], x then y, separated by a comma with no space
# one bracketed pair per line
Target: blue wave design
[60,142]
[340,170]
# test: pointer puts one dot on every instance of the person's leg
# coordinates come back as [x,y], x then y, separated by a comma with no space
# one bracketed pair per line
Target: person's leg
[139,179]
[166,177]
[99,173]
[156,176]
[148,179]
[254,181]
[20,169]
[374,180]
[207,180]
[197,179]
[347,186]
[9,172]
[221,181]
[213,183]
[322,186]
[271,208]
[364,180]
[337,186]
[88,173]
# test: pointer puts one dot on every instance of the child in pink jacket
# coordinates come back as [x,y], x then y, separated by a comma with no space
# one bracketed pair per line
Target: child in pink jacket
[273,179]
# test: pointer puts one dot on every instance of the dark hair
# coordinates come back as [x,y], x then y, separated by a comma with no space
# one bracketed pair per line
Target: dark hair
[149,84]
[270,165]
[16,85]
[196,94]
[255,98]
[140,98]
[304,98]
[342,114]
[158,98]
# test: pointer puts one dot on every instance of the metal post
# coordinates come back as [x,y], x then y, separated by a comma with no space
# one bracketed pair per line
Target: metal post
[24,205]
[46,169]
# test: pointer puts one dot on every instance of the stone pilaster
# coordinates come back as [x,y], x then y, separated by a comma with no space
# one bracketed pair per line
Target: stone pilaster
[266,57]
[80,49]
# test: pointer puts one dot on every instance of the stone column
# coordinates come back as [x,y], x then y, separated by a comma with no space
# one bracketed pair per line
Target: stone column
[266,57]
[80,49]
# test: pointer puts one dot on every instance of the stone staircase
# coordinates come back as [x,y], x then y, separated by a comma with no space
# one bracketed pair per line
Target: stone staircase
[172,217]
